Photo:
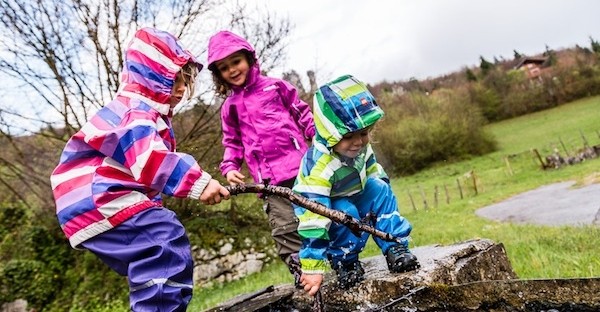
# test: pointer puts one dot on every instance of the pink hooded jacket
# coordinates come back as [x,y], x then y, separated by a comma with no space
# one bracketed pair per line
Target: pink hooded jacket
[264,122]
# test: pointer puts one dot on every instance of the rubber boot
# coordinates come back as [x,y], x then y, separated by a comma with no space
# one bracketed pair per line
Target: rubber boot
[400,259]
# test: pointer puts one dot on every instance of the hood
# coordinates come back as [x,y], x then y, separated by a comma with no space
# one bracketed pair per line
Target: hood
[225,43]
[152,61]
[341,106]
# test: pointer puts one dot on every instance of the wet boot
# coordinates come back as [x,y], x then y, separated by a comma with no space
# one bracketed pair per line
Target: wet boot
[349,274]
[400,259]
[293,263]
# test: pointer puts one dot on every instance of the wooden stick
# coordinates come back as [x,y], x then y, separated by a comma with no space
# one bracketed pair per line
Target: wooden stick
[340,217]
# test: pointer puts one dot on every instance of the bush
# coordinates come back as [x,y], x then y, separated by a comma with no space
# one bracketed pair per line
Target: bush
[445,127]
[27,279]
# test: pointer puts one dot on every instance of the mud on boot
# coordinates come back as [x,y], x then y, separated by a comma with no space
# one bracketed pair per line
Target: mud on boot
[349,274]
[400,259]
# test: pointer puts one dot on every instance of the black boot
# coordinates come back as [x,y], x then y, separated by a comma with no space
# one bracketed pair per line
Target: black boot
[349,274]
[399,259]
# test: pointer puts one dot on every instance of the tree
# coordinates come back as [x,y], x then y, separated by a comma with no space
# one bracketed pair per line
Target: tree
[595,45]
[551,56]
[470,75]
[294,78]
[485,66]
[64,57]
[517,55]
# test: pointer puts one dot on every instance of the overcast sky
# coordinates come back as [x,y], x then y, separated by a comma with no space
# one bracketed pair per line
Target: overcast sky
[399,39]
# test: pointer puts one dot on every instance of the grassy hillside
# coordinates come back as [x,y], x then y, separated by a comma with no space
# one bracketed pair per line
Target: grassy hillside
[535,251]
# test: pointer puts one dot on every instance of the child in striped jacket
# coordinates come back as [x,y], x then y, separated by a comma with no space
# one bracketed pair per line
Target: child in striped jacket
[108,183]
[341,172]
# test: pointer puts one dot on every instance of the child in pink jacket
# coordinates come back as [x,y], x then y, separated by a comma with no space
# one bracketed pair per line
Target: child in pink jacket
[266,125]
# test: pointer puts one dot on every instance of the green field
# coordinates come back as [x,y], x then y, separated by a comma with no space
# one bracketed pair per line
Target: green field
[534,251]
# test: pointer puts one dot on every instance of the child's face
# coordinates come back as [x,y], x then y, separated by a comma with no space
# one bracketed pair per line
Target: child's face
[178,90]
[234,68]
[352,143]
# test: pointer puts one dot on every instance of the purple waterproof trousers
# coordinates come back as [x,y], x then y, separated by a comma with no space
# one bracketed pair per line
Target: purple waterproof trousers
[153,251]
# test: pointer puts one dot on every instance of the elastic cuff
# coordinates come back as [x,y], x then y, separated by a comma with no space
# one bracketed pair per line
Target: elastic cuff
[200,185]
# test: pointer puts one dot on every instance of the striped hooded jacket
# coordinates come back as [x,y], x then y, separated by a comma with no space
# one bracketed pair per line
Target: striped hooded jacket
[342,106]
[124,157]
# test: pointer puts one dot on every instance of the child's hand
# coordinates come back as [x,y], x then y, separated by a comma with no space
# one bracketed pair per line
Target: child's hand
[235,177]
[213,193]
[311,282]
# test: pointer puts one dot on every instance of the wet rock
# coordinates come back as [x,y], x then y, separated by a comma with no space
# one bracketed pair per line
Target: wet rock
[465,262]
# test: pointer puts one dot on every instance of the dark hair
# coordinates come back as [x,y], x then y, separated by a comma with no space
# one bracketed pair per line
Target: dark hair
[222,88]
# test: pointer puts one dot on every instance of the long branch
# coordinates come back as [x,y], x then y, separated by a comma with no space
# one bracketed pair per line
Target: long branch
[354,224]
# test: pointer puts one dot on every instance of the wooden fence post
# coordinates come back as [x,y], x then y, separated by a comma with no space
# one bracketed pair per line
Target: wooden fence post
[510,172]
[474,181]
[412,202]
[423,196]
[435,197]
[459,188]
[447,194]
[564,147]
[539,158]
[585,142]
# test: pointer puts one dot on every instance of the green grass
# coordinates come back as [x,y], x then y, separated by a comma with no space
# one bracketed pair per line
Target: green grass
[534,251]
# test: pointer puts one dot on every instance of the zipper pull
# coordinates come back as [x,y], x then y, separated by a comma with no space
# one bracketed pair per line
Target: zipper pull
[296,143]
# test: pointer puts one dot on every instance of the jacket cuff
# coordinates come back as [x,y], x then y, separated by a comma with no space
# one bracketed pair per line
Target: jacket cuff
[312,266]
[226,169]
[200,185]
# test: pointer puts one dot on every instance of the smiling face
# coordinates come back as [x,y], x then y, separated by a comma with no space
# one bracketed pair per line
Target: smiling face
[352,143]
[234,68]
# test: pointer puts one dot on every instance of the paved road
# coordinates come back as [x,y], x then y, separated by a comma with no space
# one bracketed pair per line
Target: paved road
[554,204]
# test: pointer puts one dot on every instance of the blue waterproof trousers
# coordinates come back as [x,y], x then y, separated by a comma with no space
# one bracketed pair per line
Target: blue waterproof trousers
[378,199]
[153,251]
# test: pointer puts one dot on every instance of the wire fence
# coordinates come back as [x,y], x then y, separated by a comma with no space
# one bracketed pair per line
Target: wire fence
[553,155]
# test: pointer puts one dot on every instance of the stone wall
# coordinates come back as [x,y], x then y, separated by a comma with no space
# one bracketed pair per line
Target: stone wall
[224,264]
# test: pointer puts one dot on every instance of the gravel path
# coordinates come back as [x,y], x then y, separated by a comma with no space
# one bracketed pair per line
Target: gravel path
[554,204]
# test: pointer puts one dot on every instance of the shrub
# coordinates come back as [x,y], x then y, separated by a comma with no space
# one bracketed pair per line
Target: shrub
[445,127]
[27,279]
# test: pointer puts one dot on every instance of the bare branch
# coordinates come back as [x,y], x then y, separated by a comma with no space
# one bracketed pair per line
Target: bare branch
[357,226]
[63,59]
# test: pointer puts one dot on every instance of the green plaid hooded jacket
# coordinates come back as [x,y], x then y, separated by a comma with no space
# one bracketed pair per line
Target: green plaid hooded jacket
[341,106]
